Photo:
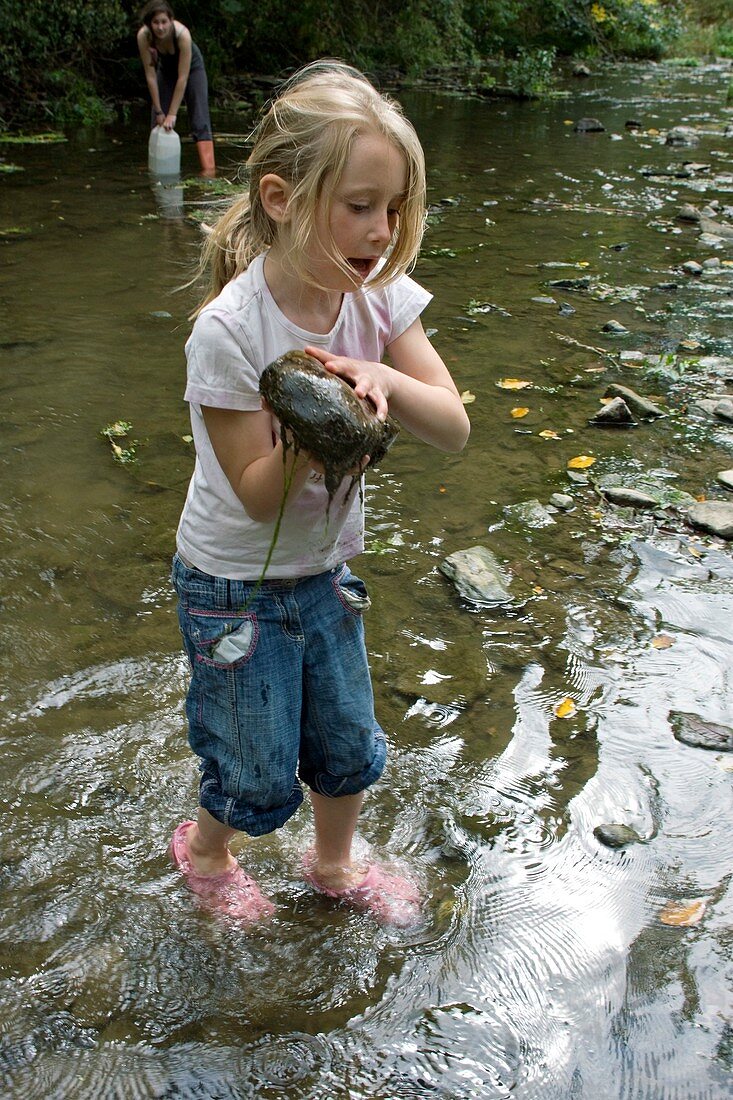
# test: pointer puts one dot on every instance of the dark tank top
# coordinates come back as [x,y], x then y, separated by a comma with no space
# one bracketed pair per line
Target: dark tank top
[167,63]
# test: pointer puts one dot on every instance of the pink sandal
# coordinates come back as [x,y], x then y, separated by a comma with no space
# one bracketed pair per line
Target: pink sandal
[231,894]
[391,899]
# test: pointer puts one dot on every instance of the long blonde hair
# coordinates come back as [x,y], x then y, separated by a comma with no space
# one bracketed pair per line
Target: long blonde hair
[305,137]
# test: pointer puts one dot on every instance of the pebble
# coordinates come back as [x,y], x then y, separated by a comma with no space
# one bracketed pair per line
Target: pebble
[711,264]
[628,498]
[692,267]
[725,477]
[692,730]
[614,835]
[614,326]
[713,516]
[724,409]
[566,503]
[616,414]
[588,126]
[478,575]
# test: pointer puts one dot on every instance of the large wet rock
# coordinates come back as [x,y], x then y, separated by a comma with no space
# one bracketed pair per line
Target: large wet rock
[641,406]
[324,416]
[713,516]
[478,575]
[693,730]
[725,477]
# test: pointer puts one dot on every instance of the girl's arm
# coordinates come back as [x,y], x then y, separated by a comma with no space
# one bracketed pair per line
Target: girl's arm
[151,78]
[418,389]
[184,68]
[253,462]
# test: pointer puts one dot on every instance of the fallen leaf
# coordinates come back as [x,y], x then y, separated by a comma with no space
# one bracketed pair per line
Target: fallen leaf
[187,438]
[566,709]
[467,397]
[442,489]
[538,589]
[662,641]
[701,497]
[653,131]
[512,384]
[580,462]
[519,412]
[683,913]
[548,434]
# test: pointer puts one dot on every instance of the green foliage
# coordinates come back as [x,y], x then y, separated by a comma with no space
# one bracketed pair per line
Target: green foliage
[530,73]
[50,56]
[65,60]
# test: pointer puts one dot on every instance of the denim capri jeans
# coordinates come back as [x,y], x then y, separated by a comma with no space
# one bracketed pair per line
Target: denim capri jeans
[280,691]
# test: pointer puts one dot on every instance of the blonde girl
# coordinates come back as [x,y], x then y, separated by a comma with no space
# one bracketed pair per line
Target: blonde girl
[313,257]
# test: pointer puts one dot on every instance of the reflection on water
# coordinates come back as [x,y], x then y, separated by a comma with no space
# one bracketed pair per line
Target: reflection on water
[543,970]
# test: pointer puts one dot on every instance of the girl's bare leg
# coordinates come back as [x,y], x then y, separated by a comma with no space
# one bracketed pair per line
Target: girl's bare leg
[208,845]
[335,821]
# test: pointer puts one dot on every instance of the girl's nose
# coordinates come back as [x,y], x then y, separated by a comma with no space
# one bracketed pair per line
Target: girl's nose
[381,230]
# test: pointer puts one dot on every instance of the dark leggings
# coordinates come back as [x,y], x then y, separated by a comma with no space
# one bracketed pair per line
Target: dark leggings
[196,98]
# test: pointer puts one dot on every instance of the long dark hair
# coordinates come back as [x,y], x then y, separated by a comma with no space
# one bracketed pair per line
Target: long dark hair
[151,8]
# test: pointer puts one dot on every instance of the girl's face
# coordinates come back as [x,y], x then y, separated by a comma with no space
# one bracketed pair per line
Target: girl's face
[161,24]
[358,214]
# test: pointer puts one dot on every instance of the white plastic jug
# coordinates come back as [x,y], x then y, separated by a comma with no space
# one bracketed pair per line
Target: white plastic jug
[164,152]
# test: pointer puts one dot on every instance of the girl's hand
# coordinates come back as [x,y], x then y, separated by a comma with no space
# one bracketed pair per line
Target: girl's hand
[169,122]
[368,380]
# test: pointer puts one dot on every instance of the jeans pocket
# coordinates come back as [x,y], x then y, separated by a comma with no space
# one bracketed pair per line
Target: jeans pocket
[222,640]
[352,592]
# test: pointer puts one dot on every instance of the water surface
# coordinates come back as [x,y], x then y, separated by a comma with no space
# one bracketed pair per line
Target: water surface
[543,969]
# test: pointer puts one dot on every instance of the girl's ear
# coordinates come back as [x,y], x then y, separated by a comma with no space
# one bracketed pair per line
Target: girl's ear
[275,195]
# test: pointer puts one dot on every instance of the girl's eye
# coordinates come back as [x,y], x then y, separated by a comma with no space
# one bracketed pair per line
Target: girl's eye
[358,207]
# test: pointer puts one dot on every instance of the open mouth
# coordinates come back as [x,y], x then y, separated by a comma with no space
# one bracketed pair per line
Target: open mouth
[361,267]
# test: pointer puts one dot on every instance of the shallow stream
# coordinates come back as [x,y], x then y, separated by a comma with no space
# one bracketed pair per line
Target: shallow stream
[547,968]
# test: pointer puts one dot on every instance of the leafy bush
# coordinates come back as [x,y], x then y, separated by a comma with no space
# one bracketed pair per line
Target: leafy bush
[530,73]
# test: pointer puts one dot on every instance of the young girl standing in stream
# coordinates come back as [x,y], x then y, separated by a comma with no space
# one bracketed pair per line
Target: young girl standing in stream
[313,257]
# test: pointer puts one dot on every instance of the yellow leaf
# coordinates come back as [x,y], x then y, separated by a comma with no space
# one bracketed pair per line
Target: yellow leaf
[580,462]
[538,589]
[519,412]
[116,447]
[683,913]
[467,397]
[662,641]
[187,438]
[547,434]
[566,709]
[652,130]
[568,122]
[512,384]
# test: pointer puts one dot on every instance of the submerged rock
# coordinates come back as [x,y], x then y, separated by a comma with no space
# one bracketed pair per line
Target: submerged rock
[478,575]
[614,327]
[713,516]
[589,126]
[615,835]
[682,135]
[529,512]
[324,416]
[693,730]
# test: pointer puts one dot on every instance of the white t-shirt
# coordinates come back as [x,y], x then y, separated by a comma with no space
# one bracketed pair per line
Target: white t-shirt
[233,340]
